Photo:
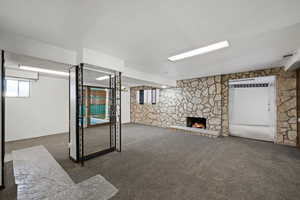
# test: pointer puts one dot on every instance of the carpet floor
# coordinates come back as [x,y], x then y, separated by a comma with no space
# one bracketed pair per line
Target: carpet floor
[157,163]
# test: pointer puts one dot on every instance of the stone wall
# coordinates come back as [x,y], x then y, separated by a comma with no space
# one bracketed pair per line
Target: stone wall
[208,97]
[298,104]
[199,97]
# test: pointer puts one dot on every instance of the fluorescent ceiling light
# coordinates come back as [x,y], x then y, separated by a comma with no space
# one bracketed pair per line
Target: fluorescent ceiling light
[102,78]
[202,50]
[46,71]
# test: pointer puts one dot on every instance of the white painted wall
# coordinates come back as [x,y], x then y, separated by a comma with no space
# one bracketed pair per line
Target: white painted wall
[45,112]
[125,107]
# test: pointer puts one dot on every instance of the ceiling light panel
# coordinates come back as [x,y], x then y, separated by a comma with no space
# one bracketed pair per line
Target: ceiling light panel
[102,78]
[41,70]
[199,51]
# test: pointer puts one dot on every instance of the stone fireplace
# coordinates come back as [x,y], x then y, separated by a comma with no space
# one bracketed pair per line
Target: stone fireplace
[208,97]
[196,122]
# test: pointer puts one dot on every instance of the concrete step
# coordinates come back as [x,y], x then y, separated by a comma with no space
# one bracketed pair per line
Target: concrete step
[39,176]
[94,188]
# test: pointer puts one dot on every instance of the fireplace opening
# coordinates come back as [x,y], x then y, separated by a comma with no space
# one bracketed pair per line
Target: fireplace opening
[196,122]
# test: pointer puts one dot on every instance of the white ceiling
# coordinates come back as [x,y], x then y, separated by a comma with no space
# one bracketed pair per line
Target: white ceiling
[89,78]
[145,33]
[13,61]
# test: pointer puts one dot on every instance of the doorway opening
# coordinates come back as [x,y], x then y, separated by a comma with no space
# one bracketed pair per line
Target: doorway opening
[252,108]
[35,98]
[64,108]
[95,112]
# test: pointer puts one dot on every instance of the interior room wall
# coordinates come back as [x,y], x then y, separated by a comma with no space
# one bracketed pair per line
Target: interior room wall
[45,112]
[201,97]
[125,107]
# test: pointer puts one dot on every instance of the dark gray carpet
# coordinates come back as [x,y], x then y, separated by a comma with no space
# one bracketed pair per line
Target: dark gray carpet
[160,163]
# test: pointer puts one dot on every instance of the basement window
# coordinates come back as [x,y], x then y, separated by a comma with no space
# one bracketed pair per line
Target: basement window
[147,96]
[17,88]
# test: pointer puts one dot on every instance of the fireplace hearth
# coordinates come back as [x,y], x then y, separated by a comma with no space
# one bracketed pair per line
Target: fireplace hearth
[196,122]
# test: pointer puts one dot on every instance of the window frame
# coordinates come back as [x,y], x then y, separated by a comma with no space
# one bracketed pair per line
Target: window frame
[18,80]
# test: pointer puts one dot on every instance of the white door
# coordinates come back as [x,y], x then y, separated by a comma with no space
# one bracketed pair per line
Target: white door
[252,110]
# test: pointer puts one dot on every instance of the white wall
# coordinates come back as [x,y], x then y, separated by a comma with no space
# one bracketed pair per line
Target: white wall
[45,112]
[125,107]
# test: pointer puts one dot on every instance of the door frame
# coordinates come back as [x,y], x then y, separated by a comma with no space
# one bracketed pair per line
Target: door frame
[2,185]
[274,100]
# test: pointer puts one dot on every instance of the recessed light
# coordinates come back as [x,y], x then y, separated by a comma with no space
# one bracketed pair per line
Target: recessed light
[202,50]
[102,78]
[164,86]
[46,71]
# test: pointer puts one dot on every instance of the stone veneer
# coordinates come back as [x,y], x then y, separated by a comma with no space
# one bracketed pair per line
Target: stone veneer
[208,97]
[195,97]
